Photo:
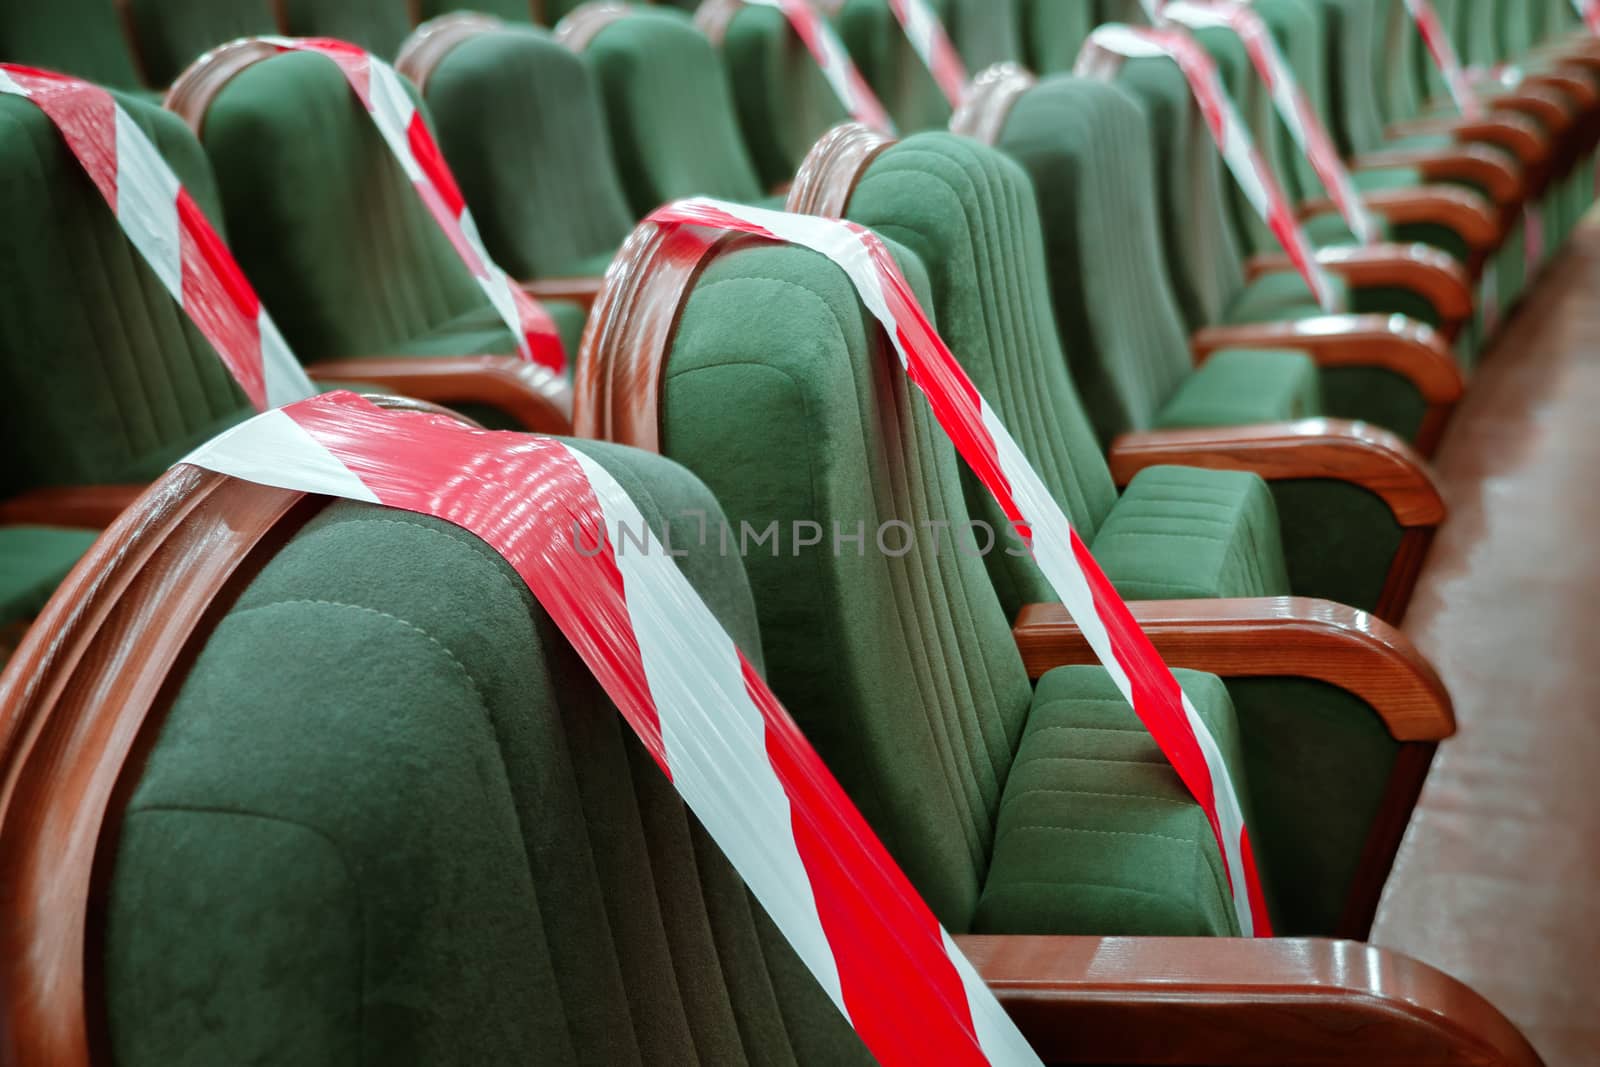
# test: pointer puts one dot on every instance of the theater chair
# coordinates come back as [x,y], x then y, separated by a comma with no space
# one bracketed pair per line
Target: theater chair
[1053,32]
[362,282]
[379,26]
[903,670]
[422,773]
[81,37]
[168,35]
[667,105]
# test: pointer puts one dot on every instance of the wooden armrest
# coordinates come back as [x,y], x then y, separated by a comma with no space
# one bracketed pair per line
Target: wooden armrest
[581,291]
[536,397]
[1261,1002]
[1518,135]
[1427,271]
[1543,104]
[91,507]
[1484,167]
[1268,637]
[1480,222]
[1338,449]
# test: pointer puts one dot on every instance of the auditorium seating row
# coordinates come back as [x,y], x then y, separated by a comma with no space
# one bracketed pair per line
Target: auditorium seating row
[324,783]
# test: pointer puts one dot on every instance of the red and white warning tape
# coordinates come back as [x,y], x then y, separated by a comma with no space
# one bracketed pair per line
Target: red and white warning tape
[383,94]
[988,448]
[1304,124]
[932,45]
[1590,11]
[1443,50]
[825,47]
[702,711]
[1103,54]
[169,231]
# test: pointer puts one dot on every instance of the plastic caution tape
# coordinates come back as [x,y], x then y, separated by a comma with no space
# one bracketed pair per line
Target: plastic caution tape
[932,45]
[705,715]
[169,231]
[837,67]
[1304,124]
[1104,52]
[383,94]
[1443,52]
[1088,595]
[1589,10]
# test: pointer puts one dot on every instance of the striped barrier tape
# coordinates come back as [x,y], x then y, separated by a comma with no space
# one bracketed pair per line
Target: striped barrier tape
[837,67]
[1304,124]
[169,231]
[383,94]
[1104,52]
[708,719]
[1443,52]
[984,443]
[1589,11]
[932,45]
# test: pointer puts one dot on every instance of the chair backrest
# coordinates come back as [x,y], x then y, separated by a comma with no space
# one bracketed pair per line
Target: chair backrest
[520,122]
[1238,76]
[898,665]
[379,26]
[985,32]
[666,100]
[779,93]
[510,10]
[108,381]
[1301,34]
[891,66]
[1356,106]
[81,37]
[171,34]
[1053,32]
[322,218]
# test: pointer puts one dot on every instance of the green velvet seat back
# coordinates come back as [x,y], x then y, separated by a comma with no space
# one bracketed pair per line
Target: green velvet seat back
[1254,104]
[1203,255]
[510,10]
[105,377]
[390,818]
[326,224]
[171,34]
[1298,30]
[1053,32]
[985,32]
[379,26]
[519,120]
[898,665]
[554,11]
[82,37]
[672,122]
[890,65]
[970,215]
[1086,145]
[1355,108]
[782,99]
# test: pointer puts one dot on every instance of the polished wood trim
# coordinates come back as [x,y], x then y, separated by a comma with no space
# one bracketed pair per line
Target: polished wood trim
[88,506]
[584,22]
[1424,270]
[713,17]
[1268,637]
[1547,106]
[1482,166]
[578,290]
[827,177]
[629,334]
[989,100]
[427,45]
[538,398]
[191,94]
[1338,449]
[1479,221]
[1515,133]
[1246,1002]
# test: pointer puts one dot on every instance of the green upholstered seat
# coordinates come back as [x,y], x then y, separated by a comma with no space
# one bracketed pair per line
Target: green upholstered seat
[330,230]
[82,37]
[107,380]
[519,120]
[390,818]
[171,34]
[379,26]
[1053,32]
[669,110]
[898,665]
[33,561]
[890,65]
[782,99]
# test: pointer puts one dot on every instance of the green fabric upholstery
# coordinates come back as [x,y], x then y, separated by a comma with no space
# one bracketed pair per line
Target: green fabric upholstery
[1180,533]
[171,34]
[33,561]
[887,61]
[510,10]
[82,37]
[106,378]
[1053,32]
[519,120]
[417,833]
[1097,834]
[324,221]
[1239,386]
[379,26]
[899,666]
[671,117]
[782,99]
